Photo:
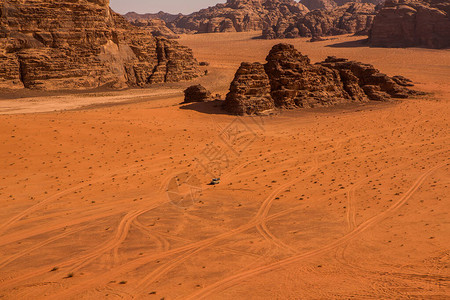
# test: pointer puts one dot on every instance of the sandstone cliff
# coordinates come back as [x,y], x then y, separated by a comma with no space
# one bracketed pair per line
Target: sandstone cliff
[289,80]
[409,23]
[237,16]
[346,19]
[80,44]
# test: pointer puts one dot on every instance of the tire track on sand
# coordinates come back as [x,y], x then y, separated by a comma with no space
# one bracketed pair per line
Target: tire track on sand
[261,216]
[234,279]
[18,217]
[132,265]
[78,262]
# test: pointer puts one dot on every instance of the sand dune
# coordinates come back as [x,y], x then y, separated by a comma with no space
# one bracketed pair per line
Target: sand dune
[112,201]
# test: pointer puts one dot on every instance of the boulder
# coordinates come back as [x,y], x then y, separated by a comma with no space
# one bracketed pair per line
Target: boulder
[196,93]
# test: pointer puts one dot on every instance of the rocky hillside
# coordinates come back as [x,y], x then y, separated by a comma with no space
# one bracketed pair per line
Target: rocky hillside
[409,23]
[237,16]
[81,44]
[330,4]
[349,18]
[166,17]
[157,27]
[289,80]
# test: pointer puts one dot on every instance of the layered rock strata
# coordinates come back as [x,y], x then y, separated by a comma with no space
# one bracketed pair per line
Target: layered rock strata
[82,44]
[412,23]
[350,18]
[156,27]
[249,91]
[330,4]
[237,16]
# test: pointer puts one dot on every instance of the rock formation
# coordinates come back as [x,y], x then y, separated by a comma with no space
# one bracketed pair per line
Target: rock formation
[330,4]
[166,17]
[289,80]
[410,23]
[156,27]
[80,44]
[237,16]
[319,4]
[349,18]
[196,93]
[249,91]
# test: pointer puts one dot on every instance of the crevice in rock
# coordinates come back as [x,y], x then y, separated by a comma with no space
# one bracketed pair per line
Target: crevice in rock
[166,73]
[22,72]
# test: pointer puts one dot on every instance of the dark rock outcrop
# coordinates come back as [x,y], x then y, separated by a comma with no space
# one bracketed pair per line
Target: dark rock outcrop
[196,93]
[237,16]
[349,18]
[411,23]
[289,80]
[81,44]
[249,91]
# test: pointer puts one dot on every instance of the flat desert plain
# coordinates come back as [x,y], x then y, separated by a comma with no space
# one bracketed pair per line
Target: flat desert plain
[108,201]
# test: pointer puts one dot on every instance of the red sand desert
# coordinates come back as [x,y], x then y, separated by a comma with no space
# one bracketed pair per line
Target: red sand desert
[108,201]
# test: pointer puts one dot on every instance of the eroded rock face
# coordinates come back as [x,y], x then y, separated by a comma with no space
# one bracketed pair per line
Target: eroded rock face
[376,85]
[237,16]
[196,93]
[80,44]
[249,91]
[319,4]
[289,80]
[166,17]
[409,23]
[349,18]
[156,27]
[330,4]
[296,83]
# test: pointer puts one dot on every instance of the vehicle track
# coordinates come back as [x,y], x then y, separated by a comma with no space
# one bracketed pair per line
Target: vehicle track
[232,280]
[20,254]
[5,226]
[77,262]
[264,209]
[207,242]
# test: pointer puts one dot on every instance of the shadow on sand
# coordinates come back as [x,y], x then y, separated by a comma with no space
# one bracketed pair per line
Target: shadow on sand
[210,107]
[351,44]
